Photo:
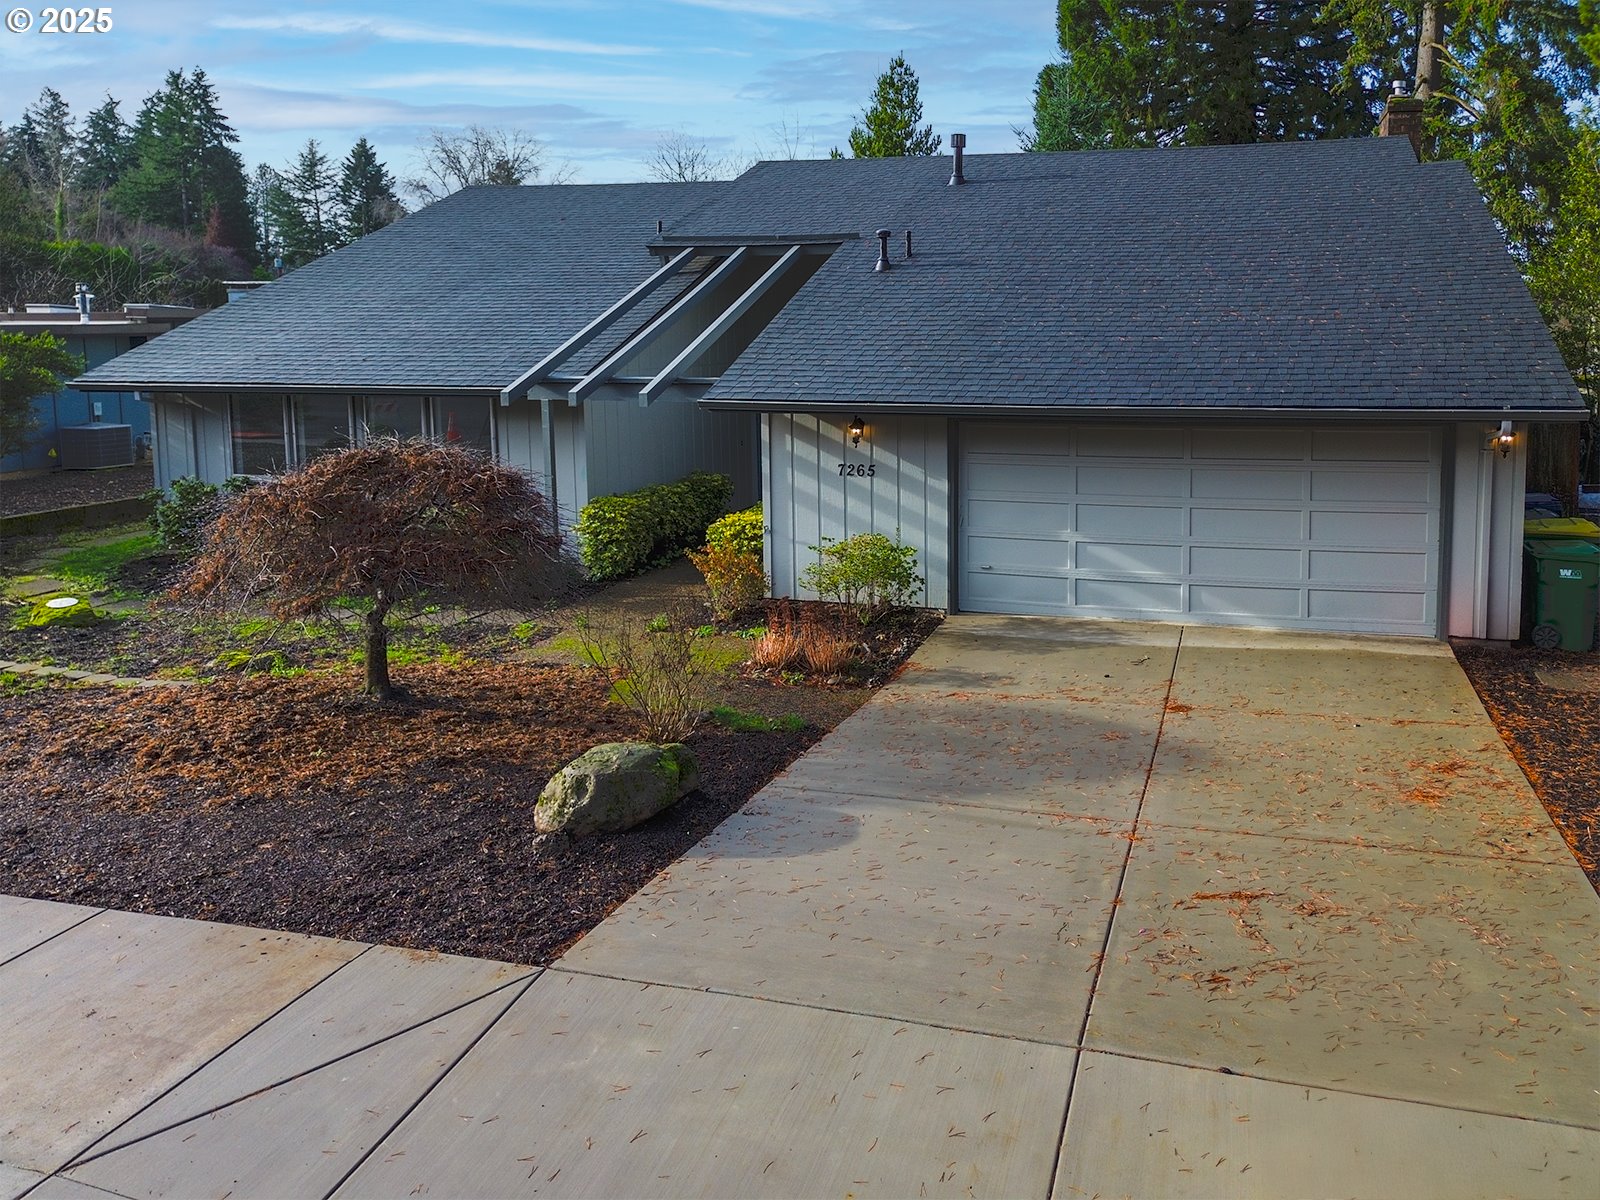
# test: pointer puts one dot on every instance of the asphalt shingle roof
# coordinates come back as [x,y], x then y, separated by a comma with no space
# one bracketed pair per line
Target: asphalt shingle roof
[467,293]
[1333,274]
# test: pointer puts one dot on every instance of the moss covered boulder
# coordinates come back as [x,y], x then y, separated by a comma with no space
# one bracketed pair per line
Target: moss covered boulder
[615,786]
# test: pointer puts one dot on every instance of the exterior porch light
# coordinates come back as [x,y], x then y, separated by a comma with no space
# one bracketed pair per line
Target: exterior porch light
[857,430]
[1503,439]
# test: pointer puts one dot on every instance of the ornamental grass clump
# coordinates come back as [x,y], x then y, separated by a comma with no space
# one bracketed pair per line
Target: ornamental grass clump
[376,533]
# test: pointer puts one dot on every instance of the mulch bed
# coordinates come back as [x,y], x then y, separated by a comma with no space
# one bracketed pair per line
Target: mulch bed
[68,489]
[1554,732]
[297,804]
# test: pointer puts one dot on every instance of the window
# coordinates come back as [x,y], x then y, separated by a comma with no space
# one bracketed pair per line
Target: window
[465,421]
[321,425]
[395,416]
[257,430]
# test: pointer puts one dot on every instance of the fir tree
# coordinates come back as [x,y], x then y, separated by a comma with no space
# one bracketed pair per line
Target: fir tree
[889,126]
[105,150]
[366,196]
[302,207]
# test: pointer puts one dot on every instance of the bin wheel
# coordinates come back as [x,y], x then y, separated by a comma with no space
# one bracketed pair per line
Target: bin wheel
[1546,637]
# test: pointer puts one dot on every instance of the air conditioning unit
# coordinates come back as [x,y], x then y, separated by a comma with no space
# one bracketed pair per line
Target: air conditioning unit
[87,447]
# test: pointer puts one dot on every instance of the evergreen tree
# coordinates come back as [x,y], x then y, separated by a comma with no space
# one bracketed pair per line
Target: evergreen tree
[105,150]
[366,196]
[43,150]
[186,165]
[302,207]
[264,187]
[889,126]
[1207,72]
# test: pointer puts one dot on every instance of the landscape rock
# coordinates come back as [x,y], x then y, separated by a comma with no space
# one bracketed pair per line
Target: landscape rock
[615,786]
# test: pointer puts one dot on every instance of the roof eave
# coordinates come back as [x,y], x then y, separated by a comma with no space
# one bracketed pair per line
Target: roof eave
[1562,415]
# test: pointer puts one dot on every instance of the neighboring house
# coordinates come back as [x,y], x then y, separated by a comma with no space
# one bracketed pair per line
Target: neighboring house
[101,338]
[417,329]
[1283,385]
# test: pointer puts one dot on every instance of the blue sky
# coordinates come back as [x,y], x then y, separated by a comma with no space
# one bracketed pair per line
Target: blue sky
[598,81]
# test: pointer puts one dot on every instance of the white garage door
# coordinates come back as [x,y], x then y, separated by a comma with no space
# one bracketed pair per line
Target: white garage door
[1324,528]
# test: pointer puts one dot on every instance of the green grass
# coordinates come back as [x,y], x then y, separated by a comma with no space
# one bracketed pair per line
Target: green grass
[411,654]
[743,722]
[14,684]
[95,567]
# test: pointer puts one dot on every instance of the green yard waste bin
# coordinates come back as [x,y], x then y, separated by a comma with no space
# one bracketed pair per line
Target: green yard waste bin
[1560,592]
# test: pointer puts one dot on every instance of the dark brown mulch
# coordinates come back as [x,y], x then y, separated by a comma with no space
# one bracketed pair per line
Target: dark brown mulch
[294,804]
[1553,732]
[68,489]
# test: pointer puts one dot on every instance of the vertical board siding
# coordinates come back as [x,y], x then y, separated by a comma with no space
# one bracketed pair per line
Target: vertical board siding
[630,446]
[1486,509]
[806,499]
[519,436]
[172,445]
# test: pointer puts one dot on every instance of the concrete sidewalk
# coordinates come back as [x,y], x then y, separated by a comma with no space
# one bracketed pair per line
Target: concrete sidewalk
[1072,909]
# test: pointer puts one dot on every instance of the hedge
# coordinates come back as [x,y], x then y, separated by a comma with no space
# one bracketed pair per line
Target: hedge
[742,531]
[619,535]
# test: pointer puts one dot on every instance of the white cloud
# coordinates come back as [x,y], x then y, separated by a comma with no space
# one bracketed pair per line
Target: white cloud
[335,25]
[566,83]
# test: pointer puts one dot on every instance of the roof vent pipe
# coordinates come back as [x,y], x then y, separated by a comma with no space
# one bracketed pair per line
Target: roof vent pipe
[958,143]
[883,249]
[83,297]
[908,243]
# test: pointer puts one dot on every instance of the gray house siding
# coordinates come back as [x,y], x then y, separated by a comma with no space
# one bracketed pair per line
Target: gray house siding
[629,446]
[806,499]
[1484,595]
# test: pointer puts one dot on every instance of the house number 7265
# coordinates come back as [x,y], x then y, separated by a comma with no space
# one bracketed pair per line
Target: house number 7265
[849,469]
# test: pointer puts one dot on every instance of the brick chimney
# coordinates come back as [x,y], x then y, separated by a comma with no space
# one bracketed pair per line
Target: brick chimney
[1402,117]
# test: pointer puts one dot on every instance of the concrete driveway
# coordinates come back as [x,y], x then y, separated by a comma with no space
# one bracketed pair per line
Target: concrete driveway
[1072,909]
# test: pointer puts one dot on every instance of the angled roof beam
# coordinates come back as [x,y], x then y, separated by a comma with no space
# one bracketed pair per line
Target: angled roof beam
[595,327]
[720,326]
[652,332]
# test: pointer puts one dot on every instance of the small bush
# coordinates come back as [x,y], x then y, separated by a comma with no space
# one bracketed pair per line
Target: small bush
[869,572]
[733,577]
[181,515]
[621,535]
[743,531]
[659,669]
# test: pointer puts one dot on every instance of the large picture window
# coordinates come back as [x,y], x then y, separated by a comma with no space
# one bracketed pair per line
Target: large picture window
[466,422]
[400,417]
[321,426]
[257,430]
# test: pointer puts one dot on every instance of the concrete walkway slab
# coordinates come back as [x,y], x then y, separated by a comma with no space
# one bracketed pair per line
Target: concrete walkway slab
[123,1006]
[301,1137]
[14,1181]
[951,916]
[1463,982]
[1269,674]
[26,923]
[59,1187]
[379,995]
[1035,754]
[1152,1129]
[595,1087]
[1438,787]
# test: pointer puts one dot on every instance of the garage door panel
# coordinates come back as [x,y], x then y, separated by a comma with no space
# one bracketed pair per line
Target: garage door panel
[1113,520]
[1018,477]
[1117,442]
[1247,524]
[1292,527]
[1361,445]
[1030,517]
[1236,444]
[1228,600]
[1234,484]
[1377,487]
[1372,608]
[1410,529]
[1130,558]
[1127,595]
[1366,566]
[1132,480]
[1246,562]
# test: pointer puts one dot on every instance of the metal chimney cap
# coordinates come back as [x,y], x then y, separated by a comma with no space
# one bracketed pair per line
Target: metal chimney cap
[958,141]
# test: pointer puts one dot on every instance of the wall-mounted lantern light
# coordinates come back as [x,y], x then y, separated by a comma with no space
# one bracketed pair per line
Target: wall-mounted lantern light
[857,429]
[1503,439]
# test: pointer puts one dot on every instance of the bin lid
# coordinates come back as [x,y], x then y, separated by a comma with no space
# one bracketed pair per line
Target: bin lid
[1562,550]
[1560,527]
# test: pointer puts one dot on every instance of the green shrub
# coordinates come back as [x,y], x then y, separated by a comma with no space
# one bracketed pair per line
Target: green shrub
[659,668]
[182,513]
[743,531]
[621,535]
[734,578]
[869,572]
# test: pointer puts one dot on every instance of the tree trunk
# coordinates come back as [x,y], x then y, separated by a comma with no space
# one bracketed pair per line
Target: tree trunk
[378,685]
[1430,59]
[1553,463]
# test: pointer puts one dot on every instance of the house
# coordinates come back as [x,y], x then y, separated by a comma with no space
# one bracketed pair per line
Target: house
[96,338]
[418,328]
[1283,385]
